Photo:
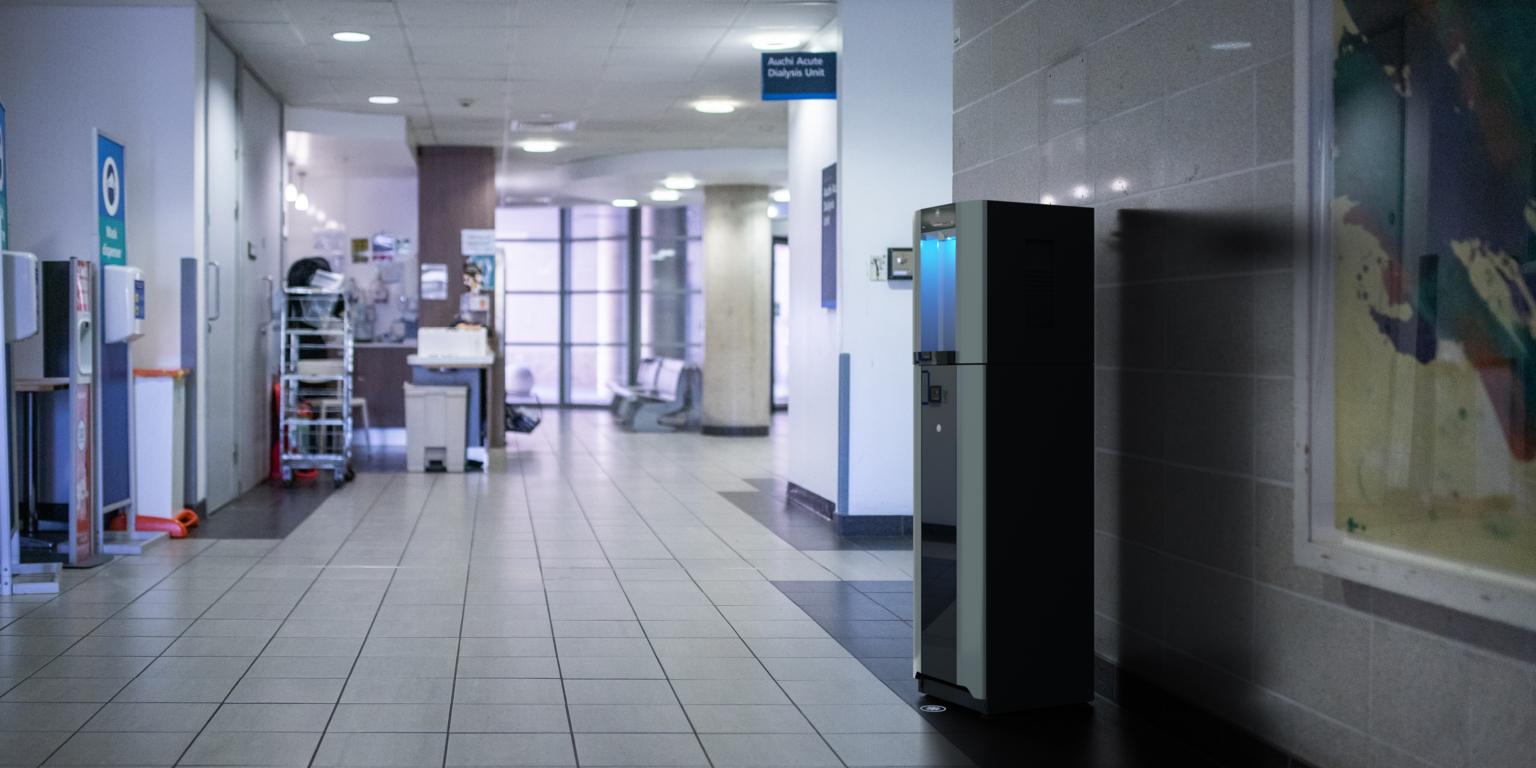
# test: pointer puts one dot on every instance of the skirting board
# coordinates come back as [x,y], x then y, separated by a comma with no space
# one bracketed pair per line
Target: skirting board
[811,500]
[714,431]
[849,525]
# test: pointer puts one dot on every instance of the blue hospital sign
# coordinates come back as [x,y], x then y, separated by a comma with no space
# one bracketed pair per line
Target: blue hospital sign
[109,201]
[795,75]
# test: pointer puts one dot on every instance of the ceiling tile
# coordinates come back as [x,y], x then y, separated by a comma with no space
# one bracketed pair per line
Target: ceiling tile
[656,37]
[553,55]
[586,13]
[563,37]
[639,74]
[455,13]
[319,35]
[450,54]
[348,14]
[259,35]
[482,37]
[462,70]
[582,70]
[807,14]
[657,56]
[245,10]
[674,14]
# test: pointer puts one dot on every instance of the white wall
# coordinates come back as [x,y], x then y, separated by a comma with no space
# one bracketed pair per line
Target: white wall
[895,150]
[133,73]
[813,331]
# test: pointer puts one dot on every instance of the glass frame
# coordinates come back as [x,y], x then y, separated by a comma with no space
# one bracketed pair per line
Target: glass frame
[1318,543]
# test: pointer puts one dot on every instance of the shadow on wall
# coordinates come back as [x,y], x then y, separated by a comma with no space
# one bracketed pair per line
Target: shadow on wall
[1177,410]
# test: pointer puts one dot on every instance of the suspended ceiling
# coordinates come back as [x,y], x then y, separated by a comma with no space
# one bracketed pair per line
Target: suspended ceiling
[626,71]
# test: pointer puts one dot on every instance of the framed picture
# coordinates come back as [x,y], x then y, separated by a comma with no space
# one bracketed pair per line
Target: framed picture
[1419,299]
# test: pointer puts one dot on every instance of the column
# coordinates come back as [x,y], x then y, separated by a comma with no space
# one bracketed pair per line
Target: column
[738,309]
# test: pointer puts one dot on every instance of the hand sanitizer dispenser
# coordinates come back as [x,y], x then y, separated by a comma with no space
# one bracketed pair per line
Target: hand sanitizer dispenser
[24,305]
[123,305]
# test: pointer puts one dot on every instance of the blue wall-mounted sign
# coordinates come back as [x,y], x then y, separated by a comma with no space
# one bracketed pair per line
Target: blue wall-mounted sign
[109,201]
[794,75]
[829,236]
[4,214]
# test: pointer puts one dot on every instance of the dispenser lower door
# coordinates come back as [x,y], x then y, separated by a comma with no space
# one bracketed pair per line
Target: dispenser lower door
[939,500]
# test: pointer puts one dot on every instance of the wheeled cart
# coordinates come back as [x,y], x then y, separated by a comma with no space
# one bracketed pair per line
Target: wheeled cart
[315,432]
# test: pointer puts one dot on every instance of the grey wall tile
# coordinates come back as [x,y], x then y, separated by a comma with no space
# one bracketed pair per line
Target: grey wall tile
[1210,325]
[973,184]
[1129,321]
[1016,116]
[1129,498]
[973,135]
[1273,317]
[1143,589]
[1210,421]
[1226,201]
[1064,103]
[1209,519]
[1208,614]
[1129,152]
[973,16]
[1274,548]
[1117,257]
[1275,109]
[1128,69]
[1501,713]
[1106,575]
[1274,453]
[973,70]
[1016,178]
[1419,694]
[1106,637]
[1210,129]
[1313,737]
[1313,653]
[1016,48]
[1066,27]
[1128,411]
[1195,26]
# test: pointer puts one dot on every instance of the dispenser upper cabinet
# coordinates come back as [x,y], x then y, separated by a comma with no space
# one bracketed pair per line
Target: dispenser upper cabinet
[123,303]
[24,302]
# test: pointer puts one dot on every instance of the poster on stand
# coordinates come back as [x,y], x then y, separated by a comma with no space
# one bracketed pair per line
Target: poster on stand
[82,509]
[110,210]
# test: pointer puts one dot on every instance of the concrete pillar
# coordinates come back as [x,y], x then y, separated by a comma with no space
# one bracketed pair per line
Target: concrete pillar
[738,309]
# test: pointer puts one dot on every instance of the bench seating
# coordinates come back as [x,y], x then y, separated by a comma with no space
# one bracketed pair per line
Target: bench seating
[666,396]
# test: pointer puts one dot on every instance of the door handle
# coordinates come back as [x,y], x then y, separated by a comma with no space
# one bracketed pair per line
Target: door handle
[218,290]
[271,297]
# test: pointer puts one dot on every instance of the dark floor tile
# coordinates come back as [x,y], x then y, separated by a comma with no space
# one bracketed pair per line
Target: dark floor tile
[869,587]
[879,647]
[888,629]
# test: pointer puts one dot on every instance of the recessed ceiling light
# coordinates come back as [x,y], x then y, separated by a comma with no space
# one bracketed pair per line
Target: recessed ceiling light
[775,42]
[665,195]
[625,202]
[1235,45]
[780,196]
[352,37]
[680,182]
[715,107]
[540,145]
[383,99]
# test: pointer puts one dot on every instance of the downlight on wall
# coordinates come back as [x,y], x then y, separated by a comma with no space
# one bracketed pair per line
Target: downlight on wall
[665,195]
[540,145]
[352,37]
[715,106]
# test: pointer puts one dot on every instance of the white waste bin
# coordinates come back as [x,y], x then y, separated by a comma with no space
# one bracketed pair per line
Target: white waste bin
[435,427]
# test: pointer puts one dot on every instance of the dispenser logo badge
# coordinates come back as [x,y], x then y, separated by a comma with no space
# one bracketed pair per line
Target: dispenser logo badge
[109,186]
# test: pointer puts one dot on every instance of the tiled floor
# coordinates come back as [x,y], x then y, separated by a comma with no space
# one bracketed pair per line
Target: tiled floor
[596,599]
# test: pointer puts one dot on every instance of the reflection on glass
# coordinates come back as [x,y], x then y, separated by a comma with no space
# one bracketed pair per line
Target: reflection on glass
[542,364]
[533,317]
[599,221]
[597,318]
[541,223]
[592,369]
[599,265]
[532,266]
[1434,336]
[780,324]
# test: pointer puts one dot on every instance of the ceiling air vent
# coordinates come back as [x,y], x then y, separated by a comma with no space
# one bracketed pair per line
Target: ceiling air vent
[543,125]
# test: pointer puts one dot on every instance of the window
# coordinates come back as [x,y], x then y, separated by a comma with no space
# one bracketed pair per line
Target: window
[570,282]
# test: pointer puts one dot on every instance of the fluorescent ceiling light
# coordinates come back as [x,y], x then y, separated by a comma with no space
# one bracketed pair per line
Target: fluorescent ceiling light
[1064,100]
[1235,45]
[715,107]
[775,42]
[383,99]
[625,202]
[301,202]
[540,145]
[291,192]
[780,196]
[665,195]
[352,37]
[680,182]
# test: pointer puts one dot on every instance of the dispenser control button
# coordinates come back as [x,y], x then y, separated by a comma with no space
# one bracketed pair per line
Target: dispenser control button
[935,394]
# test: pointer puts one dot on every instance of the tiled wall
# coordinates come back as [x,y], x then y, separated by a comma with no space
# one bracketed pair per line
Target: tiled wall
[1124,105]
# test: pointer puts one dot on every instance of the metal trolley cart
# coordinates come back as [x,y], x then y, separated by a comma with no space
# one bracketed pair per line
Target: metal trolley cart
[315,396]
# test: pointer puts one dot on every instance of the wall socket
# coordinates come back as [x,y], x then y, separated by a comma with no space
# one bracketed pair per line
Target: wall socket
[877,267]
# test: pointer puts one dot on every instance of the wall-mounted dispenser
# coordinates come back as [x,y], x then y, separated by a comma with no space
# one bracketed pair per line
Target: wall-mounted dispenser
[899,263]
[24,302]
[1003,420]
[122,303]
